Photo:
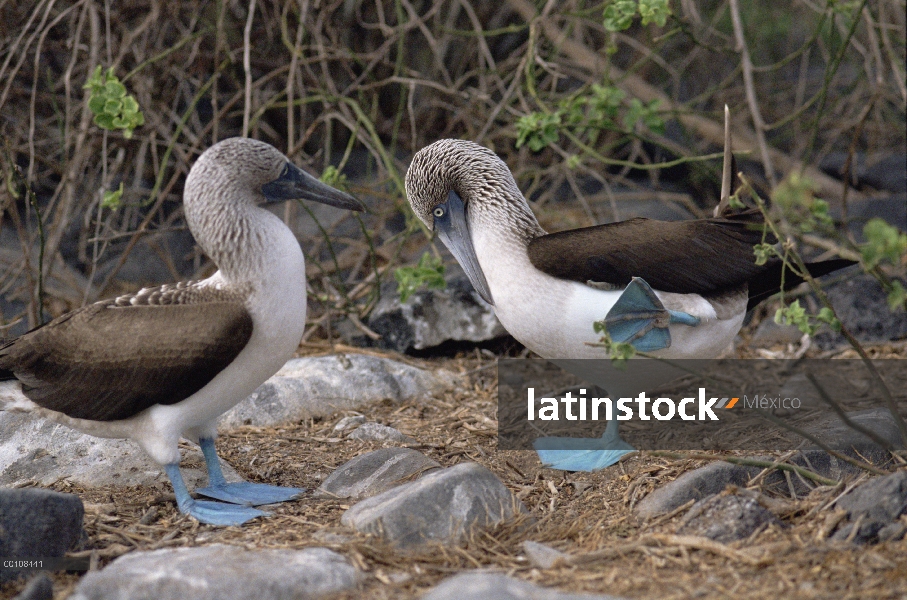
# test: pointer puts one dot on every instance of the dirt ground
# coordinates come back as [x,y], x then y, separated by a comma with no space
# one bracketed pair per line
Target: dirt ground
[581,513]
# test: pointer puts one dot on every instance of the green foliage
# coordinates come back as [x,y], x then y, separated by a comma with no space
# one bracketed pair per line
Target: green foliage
[763,252]
[794,314]
[587,113]
[618,15]
[113,109]
[334,178]
[796,196]
[619,352]
[429,272]
[884,243]
[538,130]
[111,199]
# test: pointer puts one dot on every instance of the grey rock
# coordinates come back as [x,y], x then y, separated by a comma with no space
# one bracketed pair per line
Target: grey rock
[726,517]
[542,556]
[839,436]
[768,332]
[40,587]
[429,318]
[37,523]
[220,572]
[33,449]
[862,306]
[377,432]
[320,386]
[483,585]
[440,507]
[349,423]
[879,499]
[867,532]
[892,532]
[694,485]
[882,171]
[371,473]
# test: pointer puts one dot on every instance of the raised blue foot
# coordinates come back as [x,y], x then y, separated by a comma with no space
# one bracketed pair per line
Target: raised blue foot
[639,318]
[582,454]
[243,492]
[213,513]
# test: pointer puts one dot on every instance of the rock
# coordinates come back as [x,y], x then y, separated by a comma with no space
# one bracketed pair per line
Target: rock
[882,171]
[839,436]
[320,386]
[873,509]
[374,472]
[349,423]
[726,517]
[33,449]
[862,306]
[440,507]
[481,585]
[768,333]
[429,318]
[542,555]
[694,485]
[40,587]
[220,572]
[37,523]
[377,432]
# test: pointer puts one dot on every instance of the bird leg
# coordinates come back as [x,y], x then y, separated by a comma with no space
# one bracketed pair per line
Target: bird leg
[213,513]
[639,318]
[241,492]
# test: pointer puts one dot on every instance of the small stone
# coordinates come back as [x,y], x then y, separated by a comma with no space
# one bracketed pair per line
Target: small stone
[861,304]
[441,507]
[321,386]
[349,423]
[374,472]
[482,585]
[40,587]
[892,532]
[726,517]
[37,523]
[542,555]
[694,485]
[220,572]
[376,432]
[769,333]
[879,499]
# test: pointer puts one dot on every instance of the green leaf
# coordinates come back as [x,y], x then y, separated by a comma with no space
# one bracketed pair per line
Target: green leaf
[763,252]
[111,199]
[114,89]
[96,104]
[104,121]
[654,11]
[897,297]
[884,243]
[429,273]
[113,107]
[538,130]
[618,15]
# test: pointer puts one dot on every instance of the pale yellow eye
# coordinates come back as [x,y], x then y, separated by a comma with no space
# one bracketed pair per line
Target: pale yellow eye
[439,212]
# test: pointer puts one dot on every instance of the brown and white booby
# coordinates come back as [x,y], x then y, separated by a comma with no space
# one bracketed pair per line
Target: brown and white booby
[673,289]
[167,361]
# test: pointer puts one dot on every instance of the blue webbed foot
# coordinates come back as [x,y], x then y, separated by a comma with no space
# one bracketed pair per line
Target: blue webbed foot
[213,513]
[218,513]
[242,492]
[582,454]
[639,318]
[253,494]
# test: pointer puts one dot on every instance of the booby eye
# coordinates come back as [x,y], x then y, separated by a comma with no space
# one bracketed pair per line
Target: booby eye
[438,212]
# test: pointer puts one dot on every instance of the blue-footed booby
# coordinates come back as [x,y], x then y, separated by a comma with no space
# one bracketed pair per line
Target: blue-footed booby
[167,361]
[673,289]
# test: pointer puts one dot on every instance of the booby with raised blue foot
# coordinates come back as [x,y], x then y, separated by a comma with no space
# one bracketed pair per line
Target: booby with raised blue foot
[673,289]
[166,362]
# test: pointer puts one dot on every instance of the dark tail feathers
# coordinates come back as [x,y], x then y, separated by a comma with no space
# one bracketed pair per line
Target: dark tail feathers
[768,282]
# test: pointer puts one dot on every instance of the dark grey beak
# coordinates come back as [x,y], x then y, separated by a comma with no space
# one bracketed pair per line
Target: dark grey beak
[453,229]
[296,184]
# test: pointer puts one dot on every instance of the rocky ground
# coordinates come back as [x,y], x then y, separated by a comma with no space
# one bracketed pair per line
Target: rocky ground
[429,452]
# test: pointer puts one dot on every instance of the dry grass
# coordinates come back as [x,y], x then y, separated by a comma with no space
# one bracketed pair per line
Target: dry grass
[588,515]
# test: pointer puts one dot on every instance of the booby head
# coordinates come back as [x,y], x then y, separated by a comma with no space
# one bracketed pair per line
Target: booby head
[457,187]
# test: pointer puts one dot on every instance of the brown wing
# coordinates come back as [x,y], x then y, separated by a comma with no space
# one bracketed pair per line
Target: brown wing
[106,362]
[704,256]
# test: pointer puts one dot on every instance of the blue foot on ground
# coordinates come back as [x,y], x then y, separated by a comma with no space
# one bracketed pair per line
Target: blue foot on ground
[212,513]
[639,318]
[243,492]
[582,454]
[254,494]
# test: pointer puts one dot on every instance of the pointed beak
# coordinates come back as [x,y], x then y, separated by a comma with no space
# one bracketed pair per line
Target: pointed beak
[296,184]
[453,229]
